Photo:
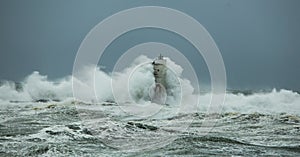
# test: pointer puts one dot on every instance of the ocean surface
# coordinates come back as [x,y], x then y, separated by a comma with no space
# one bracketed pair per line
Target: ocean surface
[77,116]
[74,128]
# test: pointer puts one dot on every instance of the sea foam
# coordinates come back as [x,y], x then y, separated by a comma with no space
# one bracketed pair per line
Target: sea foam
[107,87]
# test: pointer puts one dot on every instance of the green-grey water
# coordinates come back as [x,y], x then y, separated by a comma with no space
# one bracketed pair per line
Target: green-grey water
[60,129]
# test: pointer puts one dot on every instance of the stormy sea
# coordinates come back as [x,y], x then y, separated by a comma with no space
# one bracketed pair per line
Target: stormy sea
[41,117]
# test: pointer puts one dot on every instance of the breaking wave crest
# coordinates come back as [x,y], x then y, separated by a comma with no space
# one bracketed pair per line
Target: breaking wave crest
[36,87]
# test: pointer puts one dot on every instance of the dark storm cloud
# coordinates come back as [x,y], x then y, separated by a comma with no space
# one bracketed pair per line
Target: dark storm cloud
[258,39]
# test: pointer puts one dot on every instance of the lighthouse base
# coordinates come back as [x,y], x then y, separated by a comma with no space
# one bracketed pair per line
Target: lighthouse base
[158,94]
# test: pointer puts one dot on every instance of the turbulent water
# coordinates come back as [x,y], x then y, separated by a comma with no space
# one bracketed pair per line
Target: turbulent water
[60,129]
[40,117]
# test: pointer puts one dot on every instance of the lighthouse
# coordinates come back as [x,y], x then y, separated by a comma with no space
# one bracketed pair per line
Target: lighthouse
[159,93]
[160,70]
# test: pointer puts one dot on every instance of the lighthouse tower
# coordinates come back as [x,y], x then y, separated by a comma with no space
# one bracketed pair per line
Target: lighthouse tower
[160,70]
[159,93]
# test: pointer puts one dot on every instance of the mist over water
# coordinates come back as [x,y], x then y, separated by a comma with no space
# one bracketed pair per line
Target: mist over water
[36,86]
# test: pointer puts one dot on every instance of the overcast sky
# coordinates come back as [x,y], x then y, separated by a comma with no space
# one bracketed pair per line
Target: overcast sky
[258,39]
